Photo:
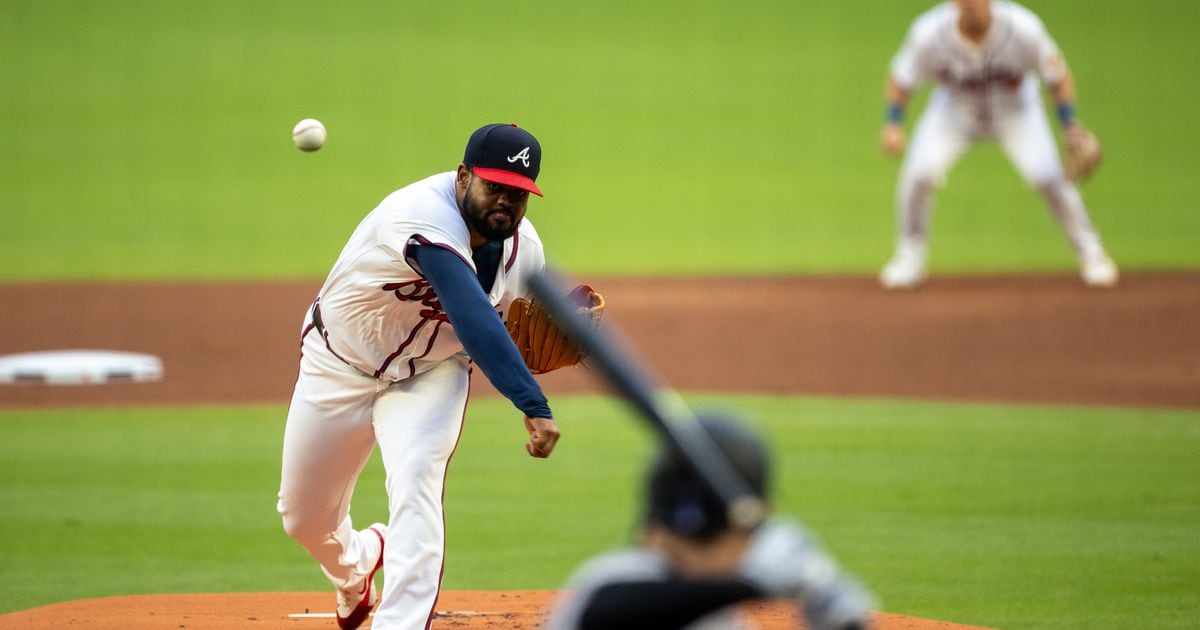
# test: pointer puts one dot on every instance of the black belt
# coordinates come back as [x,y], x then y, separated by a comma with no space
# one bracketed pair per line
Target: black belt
[320,326]
[316,318]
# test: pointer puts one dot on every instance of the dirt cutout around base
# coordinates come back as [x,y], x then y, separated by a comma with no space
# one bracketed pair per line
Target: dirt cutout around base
[462,610]
[1028,338]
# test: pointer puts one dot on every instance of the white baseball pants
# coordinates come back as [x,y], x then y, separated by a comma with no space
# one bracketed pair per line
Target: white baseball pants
[950,125]
[336,418]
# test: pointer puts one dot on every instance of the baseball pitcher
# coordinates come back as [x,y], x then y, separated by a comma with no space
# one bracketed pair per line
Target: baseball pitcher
[412,303]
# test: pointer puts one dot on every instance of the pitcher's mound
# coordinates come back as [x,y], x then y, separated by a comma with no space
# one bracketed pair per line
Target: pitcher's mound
[301,611]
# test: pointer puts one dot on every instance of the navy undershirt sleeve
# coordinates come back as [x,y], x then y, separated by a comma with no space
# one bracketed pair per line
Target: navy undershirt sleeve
[480,329]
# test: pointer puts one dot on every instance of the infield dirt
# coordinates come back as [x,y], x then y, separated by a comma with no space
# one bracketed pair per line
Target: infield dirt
[463,610]
[1037,339]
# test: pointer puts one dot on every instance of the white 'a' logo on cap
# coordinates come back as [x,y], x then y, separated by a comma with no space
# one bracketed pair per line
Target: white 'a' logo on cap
[523,156]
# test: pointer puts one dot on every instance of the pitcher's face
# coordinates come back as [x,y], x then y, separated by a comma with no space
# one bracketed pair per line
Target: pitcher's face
[492,210]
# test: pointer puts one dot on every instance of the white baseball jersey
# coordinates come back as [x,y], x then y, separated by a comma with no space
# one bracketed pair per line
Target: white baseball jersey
[1016,47]
[380,315]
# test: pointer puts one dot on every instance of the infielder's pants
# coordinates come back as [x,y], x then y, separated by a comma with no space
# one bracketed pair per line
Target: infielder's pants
[949,126]
[336,417]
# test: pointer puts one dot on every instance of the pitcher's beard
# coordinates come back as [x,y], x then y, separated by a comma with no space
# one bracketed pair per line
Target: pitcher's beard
[482,224]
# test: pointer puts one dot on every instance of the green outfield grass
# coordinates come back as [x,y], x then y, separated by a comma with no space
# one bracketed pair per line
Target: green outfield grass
[1015,517]
[147,139]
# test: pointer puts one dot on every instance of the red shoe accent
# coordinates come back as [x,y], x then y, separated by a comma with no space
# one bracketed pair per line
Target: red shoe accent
[363,609]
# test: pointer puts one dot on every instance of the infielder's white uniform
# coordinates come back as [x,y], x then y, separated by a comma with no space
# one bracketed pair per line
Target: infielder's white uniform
[988,90]
[384,366]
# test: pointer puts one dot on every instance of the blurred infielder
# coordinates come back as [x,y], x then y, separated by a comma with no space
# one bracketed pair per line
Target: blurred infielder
[986,57]
[387,350]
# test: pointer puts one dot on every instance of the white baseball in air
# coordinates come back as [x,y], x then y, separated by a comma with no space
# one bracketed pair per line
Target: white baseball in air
[309,134]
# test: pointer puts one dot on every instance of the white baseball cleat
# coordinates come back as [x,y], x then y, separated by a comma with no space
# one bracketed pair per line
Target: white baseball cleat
[1098,270]
[906,269]
[354,604]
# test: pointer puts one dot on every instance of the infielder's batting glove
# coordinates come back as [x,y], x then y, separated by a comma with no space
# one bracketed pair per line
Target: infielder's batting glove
[784,561]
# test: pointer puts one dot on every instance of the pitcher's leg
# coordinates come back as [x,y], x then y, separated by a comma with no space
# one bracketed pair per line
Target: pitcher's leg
[417,422]
[326,443]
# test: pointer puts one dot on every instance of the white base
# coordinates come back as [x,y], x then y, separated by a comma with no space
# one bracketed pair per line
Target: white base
[80,367]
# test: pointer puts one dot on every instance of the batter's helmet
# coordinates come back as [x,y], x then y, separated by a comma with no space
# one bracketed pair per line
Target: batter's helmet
[679,500]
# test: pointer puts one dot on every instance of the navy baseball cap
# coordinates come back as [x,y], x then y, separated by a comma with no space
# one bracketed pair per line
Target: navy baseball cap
[505,154]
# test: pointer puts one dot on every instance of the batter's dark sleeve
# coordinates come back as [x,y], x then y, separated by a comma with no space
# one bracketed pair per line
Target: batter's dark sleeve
[661,605]
[480,328]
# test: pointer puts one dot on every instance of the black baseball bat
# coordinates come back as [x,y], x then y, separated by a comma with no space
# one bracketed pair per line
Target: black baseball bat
[660,405]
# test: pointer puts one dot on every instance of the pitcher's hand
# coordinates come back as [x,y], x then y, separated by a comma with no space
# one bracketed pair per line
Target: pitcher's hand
[543,435]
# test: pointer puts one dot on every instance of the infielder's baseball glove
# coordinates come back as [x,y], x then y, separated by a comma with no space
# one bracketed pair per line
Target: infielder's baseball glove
[1084,153]
[542,344]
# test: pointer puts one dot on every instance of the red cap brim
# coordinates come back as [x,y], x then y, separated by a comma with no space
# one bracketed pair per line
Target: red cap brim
[508,178]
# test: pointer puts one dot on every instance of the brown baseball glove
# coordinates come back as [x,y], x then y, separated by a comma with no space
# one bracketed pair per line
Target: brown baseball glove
[542,344]
[1084,152]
